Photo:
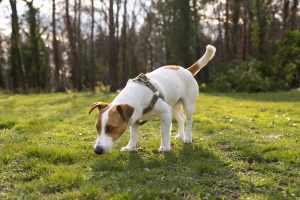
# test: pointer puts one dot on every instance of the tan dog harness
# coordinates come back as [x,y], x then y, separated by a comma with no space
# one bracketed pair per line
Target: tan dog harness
[144,80]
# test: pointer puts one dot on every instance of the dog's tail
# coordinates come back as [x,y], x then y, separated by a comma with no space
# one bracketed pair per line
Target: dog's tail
[197,66]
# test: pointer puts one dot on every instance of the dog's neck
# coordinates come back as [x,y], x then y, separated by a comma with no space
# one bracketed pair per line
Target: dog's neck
[135,95]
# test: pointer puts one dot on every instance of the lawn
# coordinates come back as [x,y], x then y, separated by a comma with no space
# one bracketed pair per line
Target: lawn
[245,146]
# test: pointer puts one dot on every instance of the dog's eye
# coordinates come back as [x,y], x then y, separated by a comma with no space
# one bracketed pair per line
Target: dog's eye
[109,129]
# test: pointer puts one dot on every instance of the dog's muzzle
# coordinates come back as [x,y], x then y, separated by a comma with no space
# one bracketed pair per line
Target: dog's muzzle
[99,150]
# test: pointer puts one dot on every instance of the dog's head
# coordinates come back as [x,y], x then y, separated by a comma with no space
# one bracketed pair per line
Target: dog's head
[110,124]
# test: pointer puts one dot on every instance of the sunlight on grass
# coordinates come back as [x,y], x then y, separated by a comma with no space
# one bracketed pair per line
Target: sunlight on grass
[245,146]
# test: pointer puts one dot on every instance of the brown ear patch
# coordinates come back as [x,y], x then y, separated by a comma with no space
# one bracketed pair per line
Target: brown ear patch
[174,67]
[125,111]
[118,117]
[99,105]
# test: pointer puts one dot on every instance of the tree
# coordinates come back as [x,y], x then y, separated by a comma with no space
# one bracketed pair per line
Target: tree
[92,53]
[124,54]
[227,33]
[36,66]
[2,61]
[113,54]
[79,38]
[294,14]
[57,81]
[285,15]
[74,59]
[17,68]
[260,26]
[235,26]
[288,58]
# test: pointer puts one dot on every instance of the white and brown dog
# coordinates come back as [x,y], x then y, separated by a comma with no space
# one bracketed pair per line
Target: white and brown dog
[179,90]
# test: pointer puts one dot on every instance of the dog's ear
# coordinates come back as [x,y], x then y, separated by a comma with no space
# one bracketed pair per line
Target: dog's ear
[99,105]
[125,111]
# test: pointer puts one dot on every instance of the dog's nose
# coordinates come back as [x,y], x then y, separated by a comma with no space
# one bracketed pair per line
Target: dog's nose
[99,150]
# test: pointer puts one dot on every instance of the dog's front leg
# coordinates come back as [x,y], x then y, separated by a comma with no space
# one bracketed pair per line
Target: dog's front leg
[166,120]
[134,129]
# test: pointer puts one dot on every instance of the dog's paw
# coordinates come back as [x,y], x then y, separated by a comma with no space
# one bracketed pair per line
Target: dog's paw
[187,139]
[127,148]
[164,149]
[179,137]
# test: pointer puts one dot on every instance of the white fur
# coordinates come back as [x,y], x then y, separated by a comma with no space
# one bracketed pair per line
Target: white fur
[179,89]
[103,140]
[209,54]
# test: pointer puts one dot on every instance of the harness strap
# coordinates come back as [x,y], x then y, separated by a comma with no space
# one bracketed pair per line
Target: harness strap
[144,80]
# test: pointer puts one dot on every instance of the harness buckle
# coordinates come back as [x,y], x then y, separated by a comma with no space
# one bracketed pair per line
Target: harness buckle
[143,78]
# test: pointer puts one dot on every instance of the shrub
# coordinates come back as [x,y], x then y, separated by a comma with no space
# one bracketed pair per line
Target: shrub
[287,58]
[245,76]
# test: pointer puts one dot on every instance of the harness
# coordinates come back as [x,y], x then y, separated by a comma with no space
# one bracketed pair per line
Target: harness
[144,80]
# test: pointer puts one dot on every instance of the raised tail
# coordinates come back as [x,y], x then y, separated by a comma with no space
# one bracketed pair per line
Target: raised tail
[197,66]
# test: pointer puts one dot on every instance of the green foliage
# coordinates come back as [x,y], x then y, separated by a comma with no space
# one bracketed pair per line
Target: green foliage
[278,73]
[35,52]
[245,146]
[246,76]
[178,23]
[261,23]
[287,59]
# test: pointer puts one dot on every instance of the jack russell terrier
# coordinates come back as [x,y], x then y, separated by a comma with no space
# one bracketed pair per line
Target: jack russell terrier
[165,91]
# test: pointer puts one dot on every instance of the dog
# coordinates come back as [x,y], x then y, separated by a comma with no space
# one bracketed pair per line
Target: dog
[166,91]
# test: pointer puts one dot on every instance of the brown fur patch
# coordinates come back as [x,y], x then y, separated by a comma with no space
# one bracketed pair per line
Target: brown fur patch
[98,121]
[116,124]
[194,68]
[174,67]
[99,105]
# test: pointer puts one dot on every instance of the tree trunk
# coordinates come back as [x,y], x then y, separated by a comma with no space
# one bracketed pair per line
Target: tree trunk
[226,26]
[285,15]
[79,47]
[244,36]
[92,53]
[35,69]
[74,55]
[220,33]
[294,14]
[125,71]
[113,67]
[2,61]
[57,82]
[17,72]
[248,5]
[261,14]
[235,19]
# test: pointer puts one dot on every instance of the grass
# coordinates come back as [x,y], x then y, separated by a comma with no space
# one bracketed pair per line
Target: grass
[246,146]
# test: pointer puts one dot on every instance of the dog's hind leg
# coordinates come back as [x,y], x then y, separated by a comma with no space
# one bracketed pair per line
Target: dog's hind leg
[180,117]
[189,111]
[134,129]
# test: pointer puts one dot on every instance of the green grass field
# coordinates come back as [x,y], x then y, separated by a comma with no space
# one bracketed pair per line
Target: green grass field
[245,146]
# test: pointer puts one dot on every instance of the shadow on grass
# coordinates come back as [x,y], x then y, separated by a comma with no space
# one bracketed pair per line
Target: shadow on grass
[292,96]
[191,173]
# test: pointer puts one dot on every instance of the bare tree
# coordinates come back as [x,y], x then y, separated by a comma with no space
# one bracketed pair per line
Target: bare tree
[285,15]
[92,52]
[17,72]
[113,57]
[226,27]
[57,81]
[294,14]
[125,70]
[74,60]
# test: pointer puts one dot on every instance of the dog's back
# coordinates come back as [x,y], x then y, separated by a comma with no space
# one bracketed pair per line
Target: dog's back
[175,82]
